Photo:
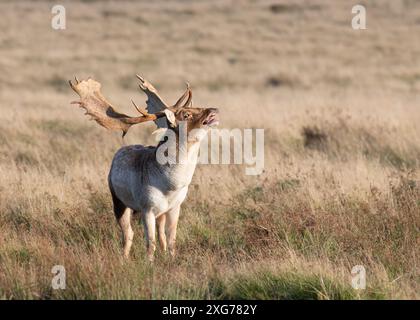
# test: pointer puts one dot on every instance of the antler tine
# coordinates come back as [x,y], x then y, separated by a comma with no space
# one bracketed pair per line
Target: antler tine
[141,111]
[135,106]
[71,85]
[189,100]
[142,81]
[179,101]
[142,87]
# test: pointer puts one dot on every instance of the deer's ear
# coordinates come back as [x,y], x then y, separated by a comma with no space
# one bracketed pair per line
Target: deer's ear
[171,117]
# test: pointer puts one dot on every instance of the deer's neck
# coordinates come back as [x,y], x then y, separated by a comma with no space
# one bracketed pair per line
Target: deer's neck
[179,171]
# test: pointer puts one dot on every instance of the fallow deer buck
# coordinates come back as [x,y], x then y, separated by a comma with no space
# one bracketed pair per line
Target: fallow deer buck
[138,182]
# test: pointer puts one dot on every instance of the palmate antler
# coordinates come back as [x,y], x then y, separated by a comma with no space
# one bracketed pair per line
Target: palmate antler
[96,106]
[154,101]
[156,104]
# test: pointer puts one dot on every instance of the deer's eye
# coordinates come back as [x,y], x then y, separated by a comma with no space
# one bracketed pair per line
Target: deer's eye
[187,115]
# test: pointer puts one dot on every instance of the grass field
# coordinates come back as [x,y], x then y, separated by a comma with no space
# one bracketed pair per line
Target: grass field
[340,109]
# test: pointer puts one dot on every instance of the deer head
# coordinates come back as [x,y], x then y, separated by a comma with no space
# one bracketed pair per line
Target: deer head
[104,113]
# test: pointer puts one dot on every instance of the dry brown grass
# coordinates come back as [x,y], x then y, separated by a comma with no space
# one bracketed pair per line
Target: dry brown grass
[340,109]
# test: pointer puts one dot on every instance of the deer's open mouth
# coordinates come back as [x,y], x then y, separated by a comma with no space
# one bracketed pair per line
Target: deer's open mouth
[211,120]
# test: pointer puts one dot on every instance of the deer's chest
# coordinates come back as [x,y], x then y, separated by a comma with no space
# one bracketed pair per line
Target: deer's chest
[160,202]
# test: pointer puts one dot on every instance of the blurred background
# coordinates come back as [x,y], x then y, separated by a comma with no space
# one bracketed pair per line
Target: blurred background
[340,110]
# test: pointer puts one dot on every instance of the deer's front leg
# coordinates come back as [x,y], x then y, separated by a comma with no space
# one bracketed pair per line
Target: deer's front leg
[171,225]
[161,222]
[149,223]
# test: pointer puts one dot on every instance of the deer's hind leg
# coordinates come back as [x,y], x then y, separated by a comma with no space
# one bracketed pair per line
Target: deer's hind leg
[123,215]
[171,226]
[128,233]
